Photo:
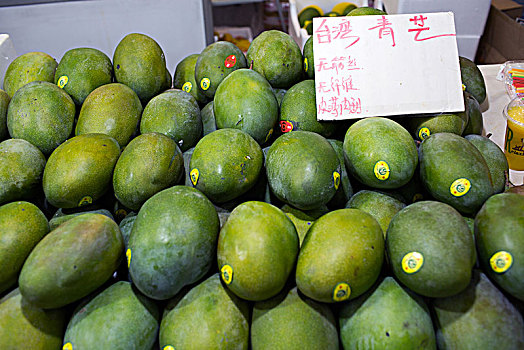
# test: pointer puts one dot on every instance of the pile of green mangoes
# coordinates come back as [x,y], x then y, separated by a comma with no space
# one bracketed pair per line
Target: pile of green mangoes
[209,208]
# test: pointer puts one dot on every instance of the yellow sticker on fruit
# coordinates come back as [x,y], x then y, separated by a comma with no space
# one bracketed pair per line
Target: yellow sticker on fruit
[460,187]
[227,273]
[341,292]
[205,83]
[128,256]
[67,346]
[194,174]
[305,64]
[412,262]
[423,133]
[168,347]
[381,170]
[85,201]
[463,87]
[336,179]
[62,81]
[269,134]
[501,261]
[187,86]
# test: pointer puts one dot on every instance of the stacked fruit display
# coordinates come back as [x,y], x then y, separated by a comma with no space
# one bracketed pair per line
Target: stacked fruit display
[211,209]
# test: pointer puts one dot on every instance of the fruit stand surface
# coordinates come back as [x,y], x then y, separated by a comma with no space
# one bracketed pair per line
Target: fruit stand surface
[494,122]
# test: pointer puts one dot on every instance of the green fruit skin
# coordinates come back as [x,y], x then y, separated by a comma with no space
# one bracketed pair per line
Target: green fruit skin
[446,157]
[119,317]
[185,73]
[150,163]
[139,62]
[86,69]
[499,226]
[293,321]
[342,246]
[453,123]
[29,67]
[80,167]
[4,102]
[495,159]
[173,241]
[59,218]
[219,317]
[174,113]
[375,139]
[229,162]
[112,109]
[475,121]
[345,190]
[244,100]
[300,167]
[208,119]
[365,11]
[380,205]
[25,326]
[388,317]
[473,79]
[71,261]
[22,226]
[480,317]
[21,172]
[440,234]
[299,108]
[126,226]
[260,244]
[41,113]
[309,59]
[277,57]
[212,64]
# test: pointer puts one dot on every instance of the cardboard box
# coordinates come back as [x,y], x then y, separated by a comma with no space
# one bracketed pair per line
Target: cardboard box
[509,7]
[503,39]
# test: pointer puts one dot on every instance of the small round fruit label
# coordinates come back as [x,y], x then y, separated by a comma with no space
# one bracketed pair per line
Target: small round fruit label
[417,197]
[85,201]
[286,126]
[187,86]
[194,174]
[227,273]
[230,61]
[341,292]
[128,256]
[67,346]
[501,261]
[423,133]
[412,262]
[205,83]
[168,347]
[305,64]
[336,179]
[62,81]
[460,187]
[381,170]
[270,132]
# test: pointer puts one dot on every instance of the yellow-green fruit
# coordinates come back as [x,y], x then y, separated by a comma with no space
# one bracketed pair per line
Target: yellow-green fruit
[71,261]
[257,250]
[41,113]
[81,70]
[139,62]
[21,170]
[111,109]
[25,326]
[308,13]
[22,226]
[32,66]
[174,113]
[365,11]
[184,78]
[80,170]
[4,102]
[219,317]
[309,60]
[292,321]
[422,127]
[341,256]
[150,163]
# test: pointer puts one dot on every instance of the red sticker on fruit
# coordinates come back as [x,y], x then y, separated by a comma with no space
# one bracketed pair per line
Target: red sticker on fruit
[230,61]
[286,126]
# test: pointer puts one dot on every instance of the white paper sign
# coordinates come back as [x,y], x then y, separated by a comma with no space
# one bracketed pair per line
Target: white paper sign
[386,65]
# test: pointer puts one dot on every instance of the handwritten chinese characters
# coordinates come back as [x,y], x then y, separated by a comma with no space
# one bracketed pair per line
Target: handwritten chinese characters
[386,65]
